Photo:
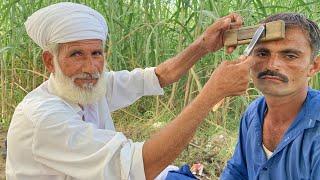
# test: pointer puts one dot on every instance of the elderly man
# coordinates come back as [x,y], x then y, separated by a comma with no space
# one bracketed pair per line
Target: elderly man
[63,129]
[280,132]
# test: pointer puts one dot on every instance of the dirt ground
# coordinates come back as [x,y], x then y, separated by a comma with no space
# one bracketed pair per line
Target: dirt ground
[3,135]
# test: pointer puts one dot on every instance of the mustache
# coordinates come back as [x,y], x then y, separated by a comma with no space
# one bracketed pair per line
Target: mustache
[95,75]
[283,78]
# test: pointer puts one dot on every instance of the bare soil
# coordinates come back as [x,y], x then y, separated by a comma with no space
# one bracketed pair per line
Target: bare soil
[3,135]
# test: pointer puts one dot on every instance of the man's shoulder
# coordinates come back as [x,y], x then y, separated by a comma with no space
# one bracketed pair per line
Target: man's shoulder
[253,110]
[257,103]
[313,104]
[313,110]
[314,97]
[40,95]
[255,106]
[39,103]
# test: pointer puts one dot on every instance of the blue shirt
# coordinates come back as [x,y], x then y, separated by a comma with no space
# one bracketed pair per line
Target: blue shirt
[297,156]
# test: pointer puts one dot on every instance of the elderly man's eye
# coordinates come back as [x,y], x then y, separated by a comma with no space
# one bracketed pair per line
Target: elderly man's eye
[76,54]
[97,53]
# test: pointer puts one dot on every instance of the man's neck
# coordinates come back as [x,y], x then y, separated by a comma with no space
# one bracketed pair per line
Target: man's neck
[283,110]
[280,115]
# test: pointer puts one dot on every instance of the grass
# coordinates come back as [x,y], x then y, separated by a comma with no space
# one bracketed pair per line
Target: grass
[145,33]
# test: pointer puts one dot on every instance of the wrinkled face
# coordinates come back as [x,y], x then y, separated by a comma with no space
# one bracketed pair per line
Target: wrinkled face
[285,64]
[78,71]
[83,61]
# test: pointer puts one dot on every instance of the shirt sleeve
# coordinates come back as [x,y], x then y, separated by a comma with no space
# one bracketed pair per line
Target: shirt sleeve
[124,87]
[236,168]
[63,142]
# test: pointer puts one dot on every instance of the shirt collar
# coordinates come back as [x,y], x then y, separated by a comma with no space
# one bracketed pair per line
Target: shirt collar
[305,118]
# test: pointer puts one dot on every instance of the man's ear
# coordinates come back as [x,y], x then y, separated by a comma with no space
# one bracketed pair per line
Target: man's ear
[47,59]
[315,67]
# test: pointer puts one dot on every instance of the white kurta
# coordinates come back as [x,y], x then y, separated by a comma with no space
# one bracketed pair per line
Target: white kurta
[48,140]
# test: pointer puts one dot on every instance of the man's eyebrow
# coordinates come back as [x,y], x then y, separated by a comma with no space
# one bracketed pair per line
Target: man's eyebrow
[261,49]
[74,50]
[98,49]
[291,50]
[77,49]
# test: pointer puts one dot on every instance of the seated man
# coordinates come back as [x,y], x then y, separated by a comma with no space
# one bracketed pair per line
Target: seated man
[63,129]
[279,135]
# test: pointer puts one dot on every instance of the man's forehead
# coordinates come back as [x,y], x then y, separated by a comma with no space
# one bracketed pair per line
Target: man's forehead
[88,43]
[295,38]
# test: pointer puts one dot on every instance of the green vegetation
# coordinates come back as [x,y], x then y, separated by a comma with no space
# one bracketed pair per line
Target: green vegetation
[144,33]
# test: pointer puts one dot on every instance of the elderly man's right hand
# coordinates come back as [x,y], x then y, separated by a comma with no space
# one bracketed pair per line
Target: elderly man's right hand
[230,78]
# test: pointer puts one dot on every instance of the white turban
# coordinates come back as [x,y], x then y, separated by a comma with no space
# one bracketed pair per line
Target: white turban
[65,22]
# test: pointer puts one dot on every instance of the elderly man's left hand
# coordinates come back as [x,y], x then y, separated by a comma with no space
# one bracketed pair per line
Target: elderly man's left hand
[212,38]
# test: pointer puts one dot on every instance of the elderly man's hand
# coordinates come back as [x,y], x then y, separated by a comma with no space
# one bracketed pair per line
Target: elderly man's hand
[212,38]
[230,78]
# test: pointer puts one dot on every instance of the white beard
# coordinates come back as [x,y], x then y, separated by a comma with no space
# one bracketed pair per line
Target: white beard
[66,88]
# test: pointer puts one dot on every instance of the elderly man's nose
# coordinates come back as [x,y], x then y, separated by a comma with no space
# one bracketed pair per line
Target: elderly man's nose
[89,66]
